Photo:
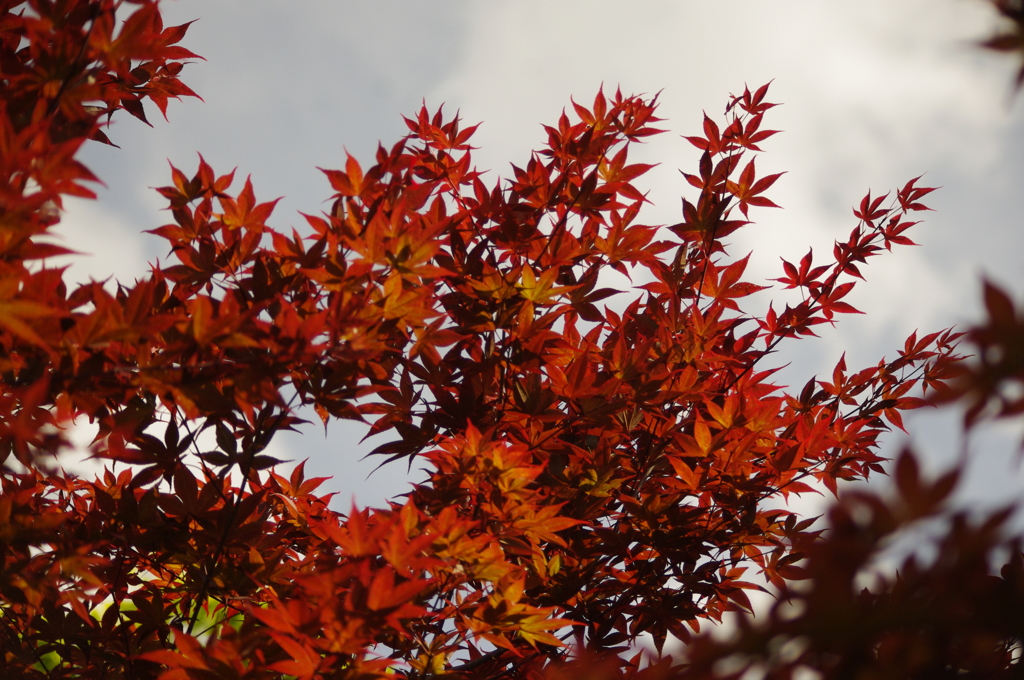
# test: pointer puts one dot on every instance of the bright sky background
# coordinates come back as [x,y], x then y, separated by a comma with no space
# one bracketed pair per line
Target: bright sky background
[875,92]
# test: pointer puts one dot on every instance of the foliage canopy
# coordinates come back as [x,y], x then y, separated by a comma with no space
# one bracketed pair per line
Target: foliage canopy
[602,470]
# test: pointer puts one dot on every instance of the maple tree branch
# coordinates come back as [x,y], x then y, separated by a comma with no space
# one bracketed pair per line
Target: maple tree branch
[258,444]
[125,640]
[479,661]
[815,298]
[77,65]
[6,614]
[562,223]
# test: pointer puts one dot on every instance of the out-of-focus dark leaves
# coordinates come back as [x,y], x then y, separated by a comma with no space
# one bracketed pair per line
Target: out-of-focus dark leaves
[1010,37]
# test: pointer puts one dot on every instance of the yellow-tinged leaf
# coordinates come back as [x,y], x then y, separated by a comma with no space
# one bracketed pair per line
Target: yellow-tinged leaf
[513,592]
[724,415]
[200,311]
[702,433]
[529,278]
[534,628]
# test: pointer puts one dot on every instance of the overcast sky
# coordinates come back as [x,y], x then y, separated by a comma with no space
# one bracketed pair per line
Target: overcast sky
[875,92]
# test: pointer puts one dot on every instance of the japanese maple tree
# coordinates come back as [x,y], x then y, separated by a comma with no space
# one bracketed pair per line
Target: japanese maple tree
[605,466]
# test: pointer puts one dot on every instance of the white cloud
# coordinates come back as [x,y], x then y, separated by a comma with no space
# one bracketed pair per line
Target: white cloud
[109,246]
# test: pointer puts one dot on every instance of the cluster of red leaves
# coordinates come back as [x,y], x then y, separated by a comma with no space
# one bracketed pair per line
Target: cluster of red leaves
[596,473]
[950,611]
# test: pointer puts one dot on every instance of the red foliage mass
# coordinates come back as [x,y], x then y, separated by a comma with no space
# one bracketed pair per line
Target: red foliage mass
[597,474]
